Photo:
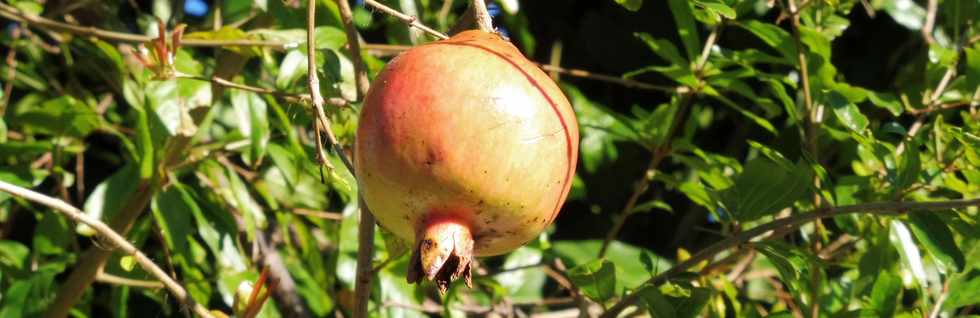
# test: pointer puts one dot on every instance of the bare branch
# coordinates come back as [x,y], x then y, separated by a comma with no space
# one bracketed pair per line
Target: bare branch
[354,43]
[123,281]
[930,23]
[365,228]
[116,239]
[410,20]
[12,13]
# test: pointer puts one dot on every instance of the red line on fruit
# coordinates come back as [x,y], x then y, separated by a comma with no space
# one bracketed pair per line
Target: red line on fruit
[569,150]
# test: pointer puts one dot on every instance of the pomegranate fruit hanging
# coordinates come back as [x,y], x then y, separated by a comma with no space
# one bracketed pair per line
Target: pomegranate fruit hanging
[466,148]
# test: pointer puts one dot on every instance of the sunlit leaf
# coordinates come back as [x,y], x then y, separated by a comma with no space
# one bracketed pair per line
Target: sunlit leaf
[596,279]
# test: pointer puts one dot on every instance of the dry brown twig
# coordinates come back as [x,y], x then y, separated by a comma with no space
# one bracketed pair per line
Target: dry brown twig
[179,293]
[12,13]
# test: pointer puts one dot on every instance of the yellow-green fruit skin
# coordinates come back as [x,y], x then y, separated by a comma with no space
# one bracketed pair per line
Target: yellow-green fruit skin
[466,130]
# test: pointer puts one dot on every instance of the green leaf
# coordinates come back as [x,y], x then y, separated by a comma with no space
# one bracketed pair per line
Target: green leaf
[909,167]
[172,213]
[227,33]
[972,65]
[717,7]
[964,290]
[693,305]
[816,42]
[293,66]
[13,255]
[319,302]
[599,129]
[652,204]
[847,112]
[329,38]
[880,257]
[109,196]
[662,48]
[253,121]
[632,5]
[906,13]
[53,235]
[774,36]
[686,28]
[884,295]
[524,285]
[62,116]
[656,303]
[29,297]
[933,233]
[766,187]
[762,122]
[887,101]
[629,272]
[596,279]
[788,260]
[901,238]
[788,104]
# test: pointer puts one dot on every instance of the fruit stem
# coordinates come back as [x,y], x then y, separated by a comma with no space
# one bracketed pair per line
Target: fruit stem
[475,17]
[443,252]
[482,16]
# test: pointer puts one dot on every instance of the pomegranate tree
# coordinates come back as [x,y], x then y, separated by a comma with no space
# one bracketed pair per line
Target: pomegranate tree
[466,148]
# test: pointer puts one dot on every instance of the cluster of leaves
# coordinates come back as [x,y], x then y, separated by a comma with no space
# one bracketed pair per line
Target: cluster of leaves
[224,173]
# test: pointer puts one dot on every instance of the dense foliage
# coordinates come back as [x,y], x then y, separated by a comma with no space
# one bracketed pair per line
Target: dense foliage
[737,142]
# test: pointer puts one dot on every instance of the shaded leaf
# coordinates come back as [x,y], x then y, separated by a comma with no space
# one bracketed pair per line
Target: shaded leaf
[772,35]
[884,295]
[62,116]
[596,279]
[632,5]
[765,187]
[933,233]
[686,28]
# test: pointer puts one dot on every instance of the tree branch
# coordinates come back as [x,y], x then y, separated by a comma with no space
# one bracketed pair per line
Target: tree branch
[365,228]
[354,44]
[116,239]
[12,13]
[410,20]
[790,222]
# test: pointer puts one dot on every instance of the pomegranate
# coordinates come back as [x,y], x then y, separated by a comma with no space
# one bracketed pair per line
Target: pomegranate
[467,148]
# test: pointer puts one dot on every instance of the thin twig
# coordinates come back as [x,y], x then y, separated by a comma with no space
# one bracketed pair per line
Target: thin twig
[793,221]
[410,20]
[354,43]
[93,259]
[319,214]
[930,23]
[365,228]
[814,115]
[11,61]
[937,308]
[116,239]
[284,287]
[123,281]
[930,104]
[12,13]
